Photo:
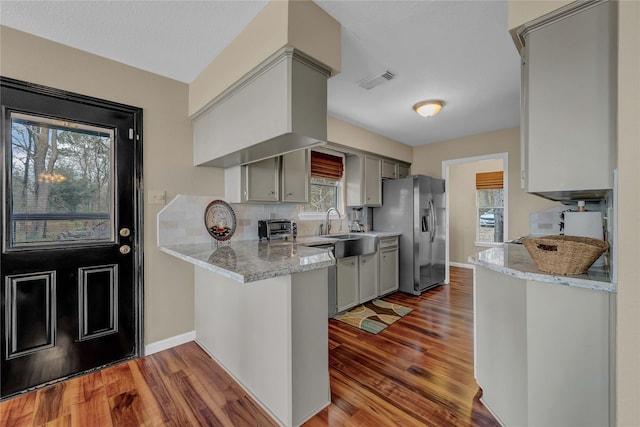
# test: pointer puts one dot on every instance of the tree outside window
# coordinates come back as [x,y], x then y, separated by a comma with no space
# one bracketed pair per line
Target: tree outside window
[61,187]
[323,195]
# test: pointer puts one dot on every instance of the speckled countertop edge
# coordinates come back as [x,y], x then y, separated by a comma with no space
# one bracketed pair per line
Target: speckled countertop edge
[519,264]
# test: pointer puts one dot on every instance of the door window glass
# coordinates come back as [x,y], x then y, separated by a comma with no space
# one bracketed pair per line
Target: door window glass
[61,184]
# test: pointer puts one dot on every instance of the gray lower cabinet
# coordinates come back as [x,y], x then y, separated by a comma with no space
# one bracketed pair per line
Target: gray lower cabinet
[388,277]
[544,352]
[368,277]
[356,280]
[347,282]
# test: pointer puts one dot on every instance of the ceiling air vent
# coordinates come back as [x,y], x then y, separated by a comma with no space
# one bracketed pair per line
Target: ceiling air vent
[370,83]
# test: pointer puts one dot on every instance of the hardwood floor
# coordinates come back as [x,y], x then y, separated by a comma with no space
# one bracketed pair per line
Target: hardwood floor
[418,372]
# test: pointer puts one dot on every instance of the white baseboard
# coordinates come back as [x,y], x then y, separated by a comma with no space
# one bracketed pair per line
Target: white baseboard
[157,346]
[461,265]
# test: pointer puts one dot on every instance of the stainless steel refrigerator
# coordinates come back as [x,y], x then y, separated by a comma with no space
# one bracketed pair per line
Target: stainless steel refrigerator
[415,207]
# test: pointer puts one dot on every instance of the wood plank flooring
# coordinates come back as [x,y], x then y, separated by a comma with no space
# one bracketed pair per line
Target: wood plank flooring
[418,372]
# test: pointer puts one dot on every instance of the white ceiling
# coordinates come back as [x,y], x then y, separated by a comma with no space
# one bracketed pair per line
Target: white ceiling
[458,51]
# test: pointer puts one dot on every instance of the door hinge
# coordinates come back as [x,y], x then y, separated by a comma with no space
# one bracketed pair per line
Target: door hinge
[130,133]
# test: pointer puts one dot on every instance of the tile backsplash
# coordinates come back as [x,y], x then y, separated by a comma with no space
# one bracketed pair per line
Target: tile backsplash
[182,220]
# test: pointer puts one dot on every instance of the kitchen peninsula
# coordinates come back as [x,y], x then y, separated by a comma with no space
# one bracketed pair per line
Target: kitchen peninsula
[543,343]
[260,310]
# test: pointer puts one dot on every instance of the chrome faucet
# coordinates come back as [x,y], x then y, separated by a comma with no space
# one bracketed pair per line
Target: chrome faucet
[327,222]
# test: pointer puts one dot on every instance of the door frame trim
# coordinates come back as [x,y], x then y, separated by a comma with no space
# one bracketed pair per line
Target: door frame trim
[138,202]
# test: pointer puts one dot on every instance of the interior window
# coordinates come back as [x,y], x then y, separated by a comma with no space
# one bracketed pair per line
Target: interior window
[490,207]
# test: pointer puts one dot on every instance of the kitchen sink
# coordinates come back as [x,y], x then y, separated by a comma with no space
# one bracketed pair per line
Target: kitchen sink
[353,244]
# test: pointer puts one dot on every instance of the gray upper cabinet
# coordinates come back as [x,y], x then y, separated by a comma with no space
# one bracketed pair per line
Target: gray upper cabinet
[389,169]
[372,181]
[569,100]
[295,174]
[261,181]
[363,175]
[273,180]
[403,170]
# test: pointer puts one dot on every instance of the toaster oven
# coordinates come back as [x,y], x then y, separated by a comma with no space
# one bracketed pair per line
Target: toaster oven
[276,229]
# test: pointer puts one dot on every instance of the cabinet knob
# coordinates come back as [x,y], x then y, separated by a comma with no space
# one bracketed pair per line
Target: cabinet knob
[272,192]
[289,194]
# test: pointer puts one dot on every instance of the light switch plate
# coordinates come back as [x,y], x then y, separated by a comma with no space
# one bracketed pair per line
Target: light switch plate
[157,197]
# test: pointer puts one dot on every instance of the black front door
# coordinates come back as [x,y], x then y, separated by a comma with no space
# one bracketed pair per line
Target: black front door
[71,247]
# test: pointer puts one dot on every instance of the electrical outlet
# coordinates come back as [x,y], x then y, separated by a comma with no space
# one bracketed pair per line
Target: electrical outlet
[157,197]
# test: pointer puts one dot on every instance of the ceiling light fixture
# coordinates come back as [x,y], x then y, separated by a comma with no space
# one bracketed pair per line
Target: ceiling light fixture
[428,108]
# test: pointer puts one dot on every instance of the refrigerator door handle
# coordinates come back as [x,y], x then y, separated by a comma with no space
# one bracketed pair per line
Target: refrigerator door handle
[432,216]
[424,226]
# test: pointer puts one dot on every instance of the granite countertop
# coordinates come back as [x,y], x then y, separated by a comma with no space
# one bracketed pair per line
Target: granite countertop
[251,260]
[514,260]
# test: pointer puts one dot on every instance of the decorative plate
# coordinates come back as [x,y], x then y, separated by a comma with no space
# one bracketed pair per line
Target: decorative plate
[220,220]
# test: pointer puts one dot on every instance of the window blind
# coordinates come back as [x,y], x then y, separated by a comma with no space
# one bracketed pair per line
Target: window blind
[490,180]
[326,166]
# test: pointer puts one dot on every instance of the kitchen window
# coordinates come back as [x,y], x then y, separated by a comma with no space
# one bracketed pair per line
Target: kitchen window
[490,207]
[324,195]
[326,185]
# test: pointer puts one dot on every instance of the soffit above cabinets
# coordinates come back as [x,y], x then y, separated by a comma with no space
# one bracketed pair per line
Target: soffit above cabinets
[278,108]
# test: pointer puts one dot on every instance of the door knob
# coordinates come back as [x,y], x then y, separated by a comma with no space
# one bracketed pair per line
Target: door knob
[125,249]
[125,232]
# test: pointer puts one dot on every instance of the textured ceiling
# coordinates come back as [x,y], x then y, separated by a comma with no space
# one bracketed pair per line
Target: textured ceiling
[457,51]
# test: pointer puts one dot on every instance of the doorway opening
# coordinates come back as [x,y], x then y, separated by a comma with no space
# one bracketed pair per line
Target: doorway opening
[467,230]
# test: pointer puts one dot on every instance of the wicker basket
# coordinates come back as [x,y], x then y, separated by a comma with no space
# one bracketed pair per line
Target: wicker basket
[565,255]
